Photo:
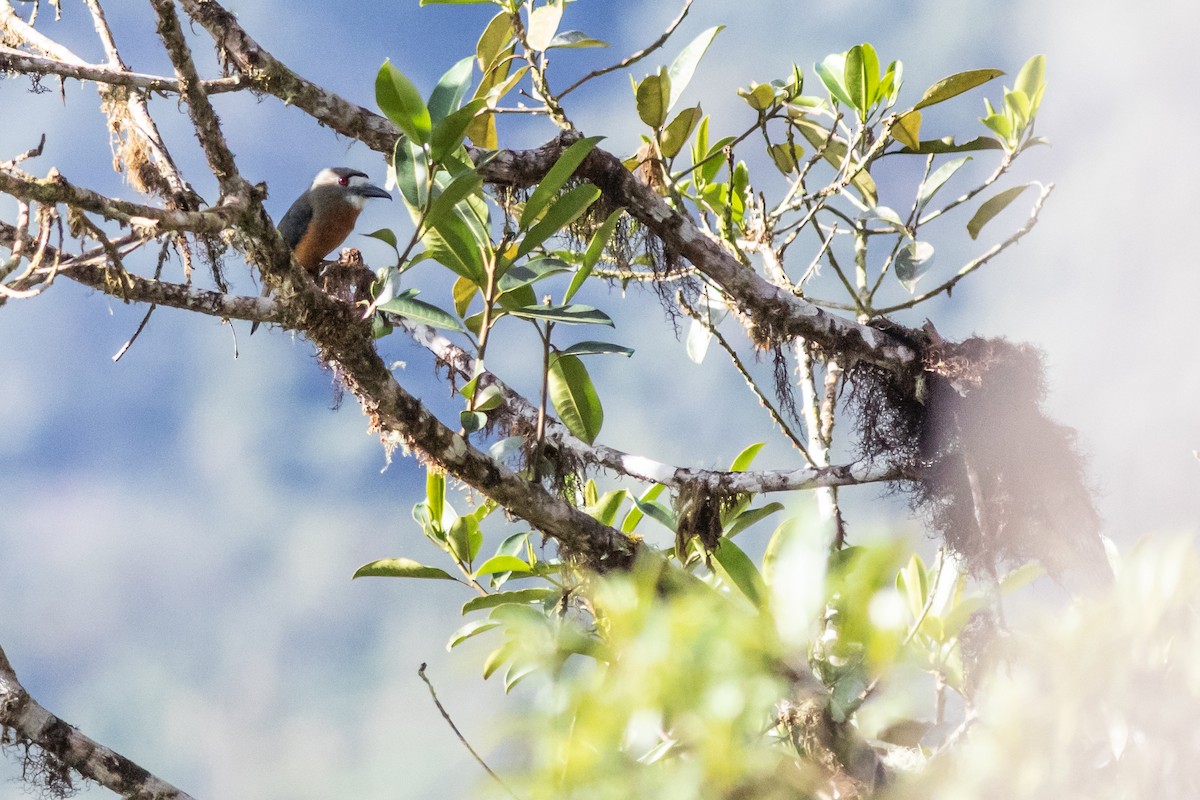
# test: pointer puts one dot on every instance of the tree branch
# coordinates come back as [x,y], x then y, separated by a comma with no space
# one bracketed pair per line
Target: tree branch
[62,742]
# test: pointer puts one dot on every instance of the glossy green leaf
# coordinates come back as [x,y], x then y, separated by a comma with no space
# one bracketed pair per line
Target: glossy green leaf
[449,133]
[400,101]
[605,509]
[600,240]
[907,130]
[597,348]
[574,397]
[786,156]
[937,179]
[759,96]
[464,538]
[549,187]
[501,564]
[520,597]
[835,153]
[451,88]
[684,66]
[575,40]
[472,421]
[679,130]
[750,517]
[533,271]
[543,24]
[561,213]
[497,37]
[744,459]
[435,494]
[657,512]
[1031,82]
[635,514]
[419,311]
[955,85]
[741,571]
[947,145]
[385,235]
[472,628]
[573,313]
[453,244]
[454,193]
[832,71]
[912,261]
[992,207]
[401,568]
[862,78]
[411,169]
[653,96]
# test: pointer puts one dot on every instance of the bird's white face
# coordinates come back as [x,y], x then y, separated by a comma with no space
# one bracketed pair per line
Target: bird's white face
[328,177]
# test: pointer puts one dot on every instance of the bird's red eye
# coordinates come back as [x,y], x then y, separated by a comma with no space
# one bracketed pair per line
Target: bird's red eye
[343,181]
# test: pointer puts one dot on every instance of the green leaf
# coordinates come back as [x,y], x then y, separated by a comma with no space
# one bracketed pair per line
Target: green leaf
[520,596]
[435,494]
[561,213]
[1022,576]
[419,311]
[913,261]
[531,272]
[543,24]
[472,628]
[605,509]
[597,348]
[496,38]
[635,514]
[573,313]
[401,568]
[472,421]
[992,207]
[574,39]
[955,85]
[449,133]
[595,249]
[574,397]
[835,154]
[451,88]
[465,539]
[1031,82]
[464,292]
[684,66]
[657,512]
[558,175]
[832,72]
[750,517]
[653,96]
[760,96]
[501,564]
[947,145]
[743,460]
[862,78]
[385,235]
[937,179]
[411,167]
[907,129]
[454,244]
[455,192]
[402,103]
[741,571]
[786,156]
[676,134]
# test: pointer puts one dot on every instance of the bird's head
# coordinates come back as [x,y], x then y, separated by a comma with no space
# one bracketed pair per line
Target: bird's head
[349,185]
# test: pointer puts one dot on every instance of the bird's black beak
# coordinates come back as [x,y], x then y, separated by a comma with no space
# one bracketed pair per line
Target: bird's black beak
[371,190]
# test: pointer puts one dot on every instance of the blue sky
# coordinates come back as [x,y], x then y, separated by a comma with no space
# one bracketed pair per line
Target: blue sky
[178,530]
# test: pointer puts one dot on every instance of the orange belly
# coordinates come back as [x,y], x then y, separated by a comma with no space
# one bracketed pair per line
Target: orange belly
[322,239]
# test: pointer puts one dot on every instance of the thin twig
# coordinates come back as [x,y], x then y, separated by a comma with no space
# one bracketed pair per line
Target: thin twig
[461,738]
[776,417]
[636,57]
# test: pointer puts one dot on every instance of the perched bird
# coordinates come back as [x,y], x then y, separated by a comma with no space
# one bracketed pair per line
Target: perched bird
[321,218]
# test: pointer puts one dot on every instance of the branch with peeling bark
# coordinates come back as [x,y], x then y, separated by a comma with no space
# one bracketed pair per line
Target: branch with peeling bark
[24,721]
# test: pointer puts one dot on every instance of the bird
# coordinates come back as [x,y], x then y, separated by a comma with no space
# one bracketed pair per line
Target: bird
[321,218]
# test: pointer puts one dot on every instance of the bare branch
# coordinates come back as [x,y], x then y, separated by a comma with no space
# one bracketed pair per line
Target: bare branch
[17,61]
[635,57]
[66,745]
